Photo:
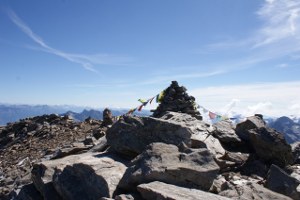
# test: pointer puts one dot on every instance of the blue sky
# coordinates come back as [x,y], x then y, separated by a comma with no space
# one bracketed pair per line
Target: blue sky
[233,56]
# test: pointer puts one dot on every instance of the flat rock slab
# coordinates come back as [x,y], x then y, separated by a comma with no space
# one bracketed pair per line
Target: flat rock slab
[85,176]
[164,162]
[162,191]
[131,135]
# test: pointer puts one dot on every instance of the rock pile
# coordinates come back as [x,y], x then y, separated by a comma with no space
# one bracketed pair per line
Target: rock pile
[176,156]
[107,118]
[40,138]
[176,99]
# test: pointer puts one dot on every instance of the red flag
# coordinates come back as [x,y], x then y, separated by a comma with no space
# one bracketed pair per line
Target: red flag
[140,108]
[151,99]
[212,115]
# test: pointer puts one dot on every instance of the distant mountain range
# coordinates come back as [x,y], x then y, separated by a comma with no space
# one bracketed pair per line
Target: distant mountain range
[13,113]
[290,127]
[96,114]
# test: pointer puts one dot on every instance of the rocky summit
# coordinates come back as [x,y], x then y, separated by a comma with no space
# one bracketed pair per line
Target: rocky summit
[170,155]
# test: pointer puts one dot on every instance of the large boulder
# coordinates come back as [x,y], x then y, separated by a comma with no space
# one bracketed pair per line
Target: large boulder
[194,168]
[131,135]
[266,142]
[225,132]
[253,122]
[29,192]
[85,176]
[279,181]
[163,191]
[201,132]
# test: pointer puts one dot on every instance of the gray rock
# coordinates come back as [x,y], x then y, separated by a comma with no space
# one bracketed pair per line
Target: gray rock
[232,160]
[60,153]
[107,118]
[252,191]
[253,122]
[162,191]
[41,176]
[218,185]
[267,143]
[224,131]
[131,135]
[133,196]
[244,188]
[279,181]
[296,152]
[100,146]
[29,192]
[162,162]
[85,176]
[201,132]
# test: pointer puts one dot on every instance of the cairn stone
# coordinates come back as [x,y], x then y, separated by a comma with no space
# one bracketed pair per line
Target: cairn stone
[176,99]
[107,118]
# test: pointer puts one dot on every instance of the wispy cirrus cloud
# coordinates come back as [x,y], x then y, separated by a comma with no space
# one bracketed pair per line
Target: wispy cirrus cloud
[282,21]
[277,37]
[87,61]
[181,76]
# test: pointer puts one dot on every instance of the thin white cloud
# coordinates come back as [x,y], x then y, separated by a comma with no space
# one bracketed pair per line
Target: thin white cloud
[278,37]
[251,97]
[85,60]
[283,65]
[178,77]
[282,21]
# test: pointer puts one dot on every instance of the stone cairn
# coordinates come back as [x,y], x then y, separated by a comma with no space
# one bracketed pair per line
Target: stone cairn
[107,118]
[176,99]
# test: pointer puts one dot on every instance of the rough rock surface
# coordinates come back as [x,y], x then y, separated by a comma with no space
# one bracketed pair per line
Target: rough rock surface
[164,162]
[107,118]
[163,191]
[34,139]
[235,186]
[253,122]
[176,148]
[176,99]
[279,181]
[131,135]
[296,152]
[224,131]
[88,176]
[267,143]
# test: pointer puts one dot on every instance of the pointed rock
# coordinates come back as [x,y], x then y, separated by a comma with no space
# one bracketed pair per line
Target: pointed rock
[279,181]
[267,143]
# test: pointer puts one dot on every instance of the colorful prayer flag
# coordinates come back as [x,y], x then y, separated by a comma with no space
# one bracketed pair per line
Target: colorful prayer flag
[151,99]
[142,100]
[212,115]
[160,97]
[140,108]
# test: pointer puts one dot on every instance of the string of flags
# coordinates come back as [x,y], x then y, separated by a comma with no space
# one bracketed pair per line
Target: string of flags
[158,98]
[215,116]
